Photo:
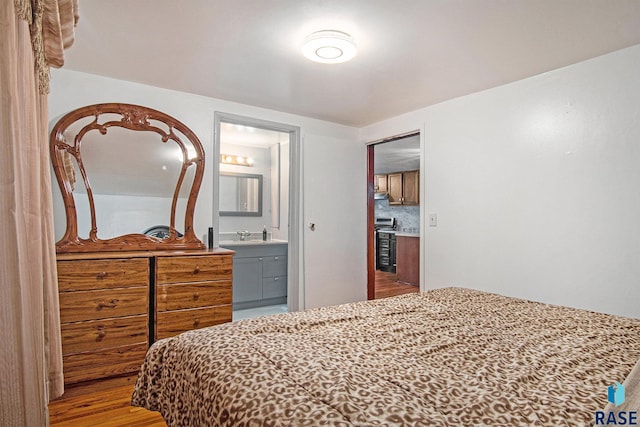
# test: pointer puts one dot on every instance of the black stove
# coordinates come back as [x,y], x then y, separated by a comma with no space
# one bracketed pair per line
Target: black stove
[384,223]
[385,229]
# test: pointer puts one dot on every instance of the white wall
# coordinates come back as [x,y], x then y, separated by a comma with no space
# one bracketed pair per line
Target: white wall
[537,186]
[71,89]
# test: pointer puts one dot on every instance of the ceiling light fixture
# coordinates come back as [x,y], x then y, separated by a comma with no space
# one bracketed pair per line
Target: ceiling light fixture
[329,47]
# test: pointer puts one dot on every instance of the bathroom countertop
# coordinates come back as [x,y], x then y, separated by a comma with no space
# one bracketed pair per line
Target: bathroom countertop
[255,242]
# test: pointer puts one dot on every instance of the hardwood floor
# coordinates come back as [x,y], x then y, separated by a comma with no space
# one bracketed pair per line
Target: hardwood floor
[111,407]
[102,408]
[387,285]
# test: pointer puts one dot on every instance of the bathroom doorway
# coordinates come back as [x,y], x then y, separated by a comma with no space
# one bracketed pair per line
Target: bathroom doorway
[256,193]
[394,212]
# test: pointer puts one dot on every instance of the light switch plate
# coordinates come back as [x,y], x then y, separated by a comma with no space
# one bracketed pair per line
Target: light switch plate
[433,220]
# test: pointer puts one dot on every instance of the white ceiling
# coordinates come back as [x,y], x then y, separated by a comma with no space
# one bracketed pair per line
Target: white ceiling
[412,53]
[397,156]
[250,136]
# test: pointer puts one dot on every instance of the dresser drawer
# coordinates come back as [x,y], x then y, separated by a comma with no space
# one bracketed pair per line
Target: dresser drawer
[192,295]
[105,363]
[170,323]
[185,269]
[102,334]
[102,304]
[78,275]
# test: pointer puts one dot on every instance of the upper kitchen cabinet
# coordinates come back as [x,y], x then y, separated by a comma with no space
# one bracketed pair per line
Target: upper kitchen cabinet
[411,188]
[404,188]
[380,184]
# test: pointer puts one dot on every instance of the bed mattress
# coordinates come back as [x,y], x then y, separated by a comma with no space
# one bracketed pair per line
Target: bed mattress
[446,357]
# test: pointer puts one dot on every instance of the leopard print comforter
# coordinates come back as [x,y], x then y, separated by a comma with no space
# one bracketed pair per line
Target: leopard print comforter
[447,357]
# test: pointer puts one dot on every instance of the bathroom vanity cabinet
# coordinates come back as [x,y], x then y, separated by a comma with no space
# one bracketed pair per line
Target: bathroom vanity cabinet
[259,274]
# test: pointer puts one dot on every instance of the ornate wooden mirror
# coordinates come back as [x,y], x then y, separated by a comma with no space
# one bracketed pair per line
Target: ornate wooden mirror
[109,157]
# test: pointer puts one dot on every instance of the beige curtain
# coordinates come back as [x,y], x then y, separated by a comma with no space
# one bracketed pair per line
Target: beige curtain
[33,35]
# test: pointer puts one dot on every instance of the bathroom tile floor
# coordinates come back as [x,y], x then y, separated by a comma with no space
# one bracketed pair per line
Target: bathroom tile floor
[259,311]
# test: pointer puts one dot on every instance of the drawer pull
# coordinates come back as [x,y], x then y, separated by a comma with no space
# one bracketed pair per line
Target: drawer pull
[111,304]
[196,270]
[101,335]
[196,322]
[275,258]
[196,296]
[101,275]
[275,279]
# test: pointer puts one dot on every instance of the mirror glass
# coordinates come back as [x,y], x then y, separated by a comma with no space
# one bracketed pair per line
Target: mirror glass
[240,194]
[128,175]
[133,176]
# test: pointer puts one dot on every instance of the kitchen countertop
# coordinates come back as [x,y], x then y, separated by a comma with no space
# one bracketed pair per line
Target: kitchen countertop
[401,234]
[254,242]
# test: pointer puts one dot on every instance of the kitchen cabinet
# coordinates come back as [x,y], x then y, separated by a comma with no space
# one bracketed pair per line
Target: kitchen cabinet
[259,274]
[395,188]
[408,259]
[411,188]
[404,188]
[380,184]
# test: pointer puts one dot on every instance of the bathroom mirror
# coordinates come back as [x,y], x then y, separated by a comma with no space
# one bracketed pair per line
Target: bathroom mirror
[240,194]
[122,169]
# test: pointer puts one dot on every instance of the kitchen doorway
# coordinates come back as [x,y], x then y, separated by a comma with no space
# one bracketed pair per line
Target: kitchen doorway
[394,212]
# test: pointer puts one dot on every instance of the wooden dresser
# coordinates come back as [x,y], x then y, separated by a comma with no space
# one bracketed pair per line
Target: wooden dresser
[113,305]
[191,292]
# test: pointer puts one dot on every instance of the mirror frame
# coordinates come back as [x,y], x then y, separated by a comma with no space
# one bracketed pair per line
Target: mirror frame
[243,213]
[134,118]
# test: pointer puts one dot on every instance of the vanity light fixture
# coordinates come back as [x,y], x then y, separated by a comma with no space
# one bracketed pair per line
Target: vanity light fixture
[329,47]
[229,159]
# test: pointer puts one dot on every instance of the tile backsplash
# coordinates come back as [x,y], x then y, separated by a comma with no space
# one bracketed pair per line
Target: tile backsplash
[407,217]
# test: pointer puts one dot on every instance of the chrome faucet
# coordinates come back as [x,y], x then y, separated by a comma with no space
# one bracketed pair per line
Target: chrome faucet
[242,235]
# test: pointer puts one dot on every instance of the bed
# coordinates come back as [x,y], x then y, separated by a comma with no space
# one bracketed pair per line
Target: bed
[446,357]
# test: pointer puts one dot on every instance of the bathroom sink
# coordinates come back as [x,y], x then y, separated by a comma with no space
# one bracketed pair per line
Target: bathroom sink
[225,243]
